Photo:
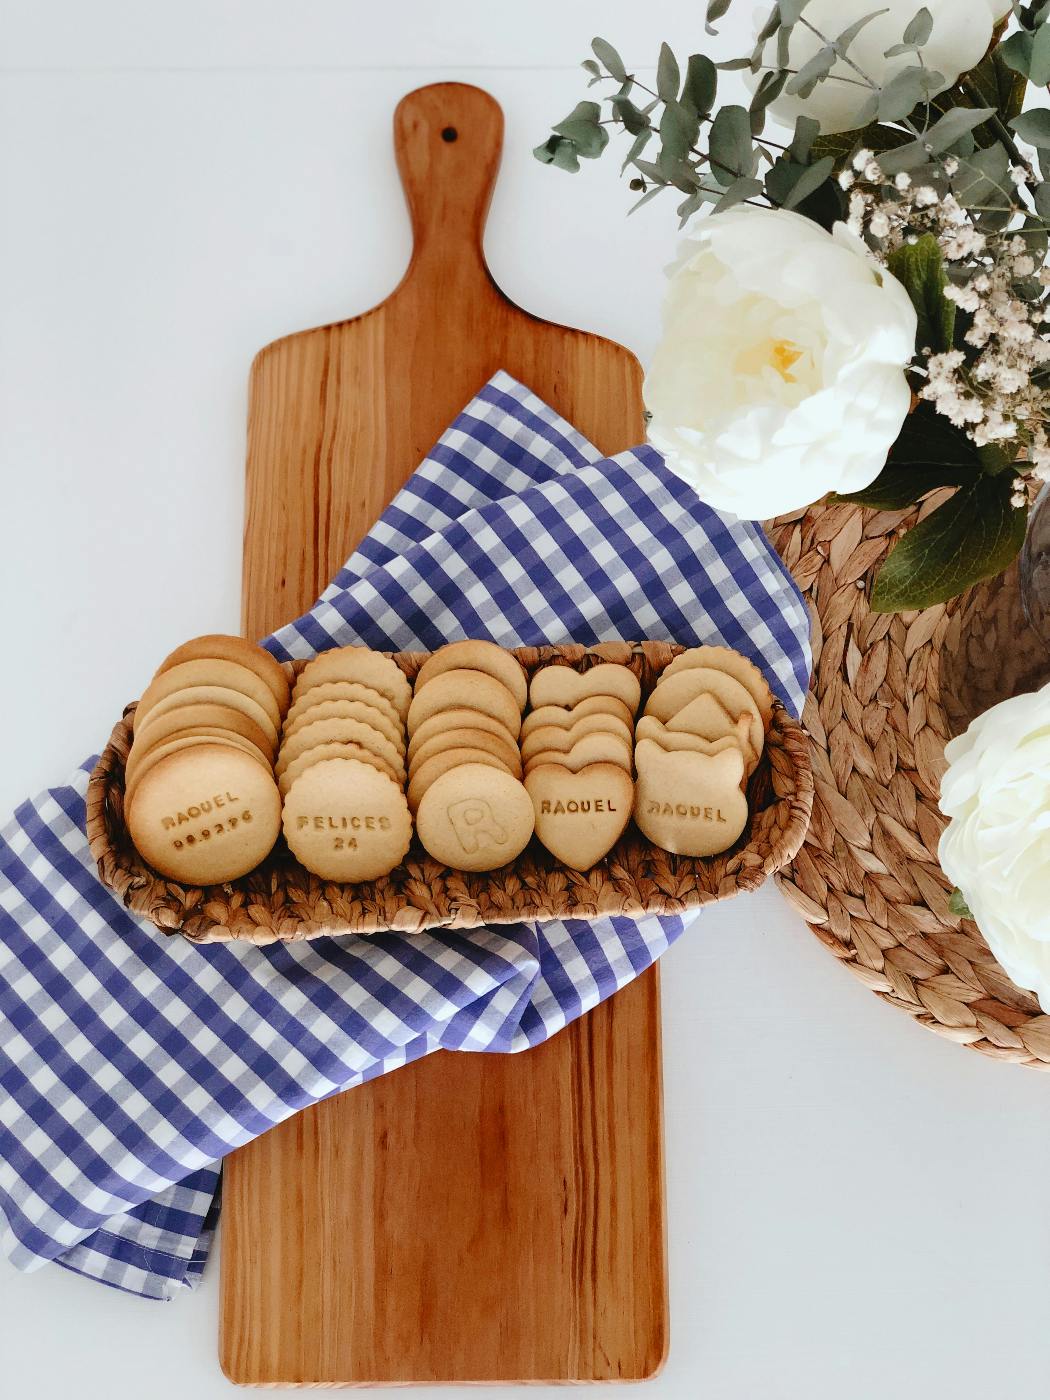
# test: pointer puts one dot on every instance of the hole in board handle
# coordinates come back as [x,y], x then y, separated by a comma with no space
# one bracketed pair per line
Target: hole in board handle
[449,134]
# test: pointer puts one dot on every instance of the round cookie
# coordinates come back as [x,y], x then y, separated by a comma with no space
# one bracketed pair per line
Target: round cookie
[361,666]
[475,818]
[348,709]
[230,674]
[340,731]
[320,752]
[446,720]
[342,690]
[734,664]
[567,715]
[561,685]
[493,660]
[441,763]
[211,695]
[555,736]
[470,738]
[140,750]
[217,647]
[156,727]
[346,821]
[205,814]
[139,763]
[470,690]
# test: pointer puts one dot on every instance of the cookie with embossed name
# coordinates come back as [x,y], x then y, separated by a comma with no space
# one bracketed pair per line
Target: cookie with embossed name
[346,821]
[205,814]
[580,816]
[690,803]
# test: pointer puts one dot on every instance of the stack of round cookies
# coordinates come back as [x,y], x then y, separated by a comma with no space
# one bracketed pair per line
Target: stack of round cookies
[472,812]
[577,746]
[341,765]
[698,743]
[200,799]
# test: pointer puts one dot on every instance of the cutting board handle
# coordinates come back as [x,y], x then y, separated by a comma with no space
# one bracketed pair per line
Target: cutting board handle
[448,138]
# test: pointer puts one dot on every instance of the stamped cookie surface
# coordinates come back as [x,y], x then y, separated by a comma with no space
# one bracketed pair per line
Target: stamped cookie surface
[425,774]
[205,815]
[357,665]
[140,761]
[346,821]
[580,816]
[475,818]
[690,803]
[477,656]
[561,685]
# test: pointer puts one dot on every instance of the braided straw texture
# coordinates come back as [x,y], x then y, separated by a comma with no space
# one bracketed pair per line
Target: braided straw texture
[282,901]
[889,690]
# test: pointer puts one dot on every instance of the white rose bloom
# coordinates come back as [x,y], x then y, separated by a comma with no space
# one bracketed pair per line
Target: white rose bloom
[962,31]
[780,372]
[996,846]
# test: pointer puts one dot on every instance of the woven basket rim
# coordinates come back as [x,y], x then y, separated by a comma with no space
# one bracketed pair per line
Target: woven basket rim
[283,902]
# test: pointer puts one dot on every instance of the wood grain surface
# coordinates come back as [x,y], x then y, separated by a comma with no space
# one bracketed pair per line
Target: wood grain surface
[468,1217]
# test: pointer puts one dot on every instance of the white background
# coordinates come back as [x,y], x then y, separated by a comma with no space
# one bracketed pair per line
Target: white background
[857,1208]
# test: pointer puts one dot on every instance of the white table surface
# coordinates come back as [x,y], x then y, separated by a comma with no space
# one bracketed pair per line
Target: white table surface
[857,1208]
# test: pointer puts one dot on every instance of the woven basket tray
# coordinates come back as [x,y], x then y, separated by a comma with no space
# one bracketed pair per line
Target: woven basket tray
[283,901]
[889,690]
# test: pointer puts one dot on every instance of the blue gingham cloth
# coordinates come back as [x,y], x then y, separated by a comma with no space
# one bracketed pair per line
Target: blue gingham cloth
[132,1062]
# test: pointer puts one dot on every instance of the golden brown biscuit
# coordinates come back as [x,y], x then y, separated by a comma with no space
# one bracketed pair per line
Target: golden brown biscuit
[592,748]
[340,731]
[230,674]
[140,749]
[690,803]
[477,656]
[156,727]
[141,761]
[379,719]
[475,817]
[561,685]
[342,690]
[359,666]
[440,763]
[346,821]
[205,814]
[566,715]
[734,664]
[555,736]
[217,647]
[211,695]
[500,746]
[446,720]
[650,730]
[320,752]
[580,816]
[470,690]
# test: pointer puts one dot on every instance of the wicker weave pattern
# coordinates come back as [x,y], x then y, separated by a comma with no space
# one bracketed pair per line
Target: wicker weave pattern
[281,900]
[889,690]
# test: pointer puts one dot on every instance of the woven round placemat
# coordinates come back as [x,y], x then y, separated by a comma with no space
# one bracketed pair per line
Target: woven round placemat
[281,901]
[889,690]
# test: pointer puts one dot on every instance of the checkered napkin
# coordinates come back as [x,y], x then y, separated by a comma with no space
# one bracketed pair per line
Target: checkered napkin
[132,1062]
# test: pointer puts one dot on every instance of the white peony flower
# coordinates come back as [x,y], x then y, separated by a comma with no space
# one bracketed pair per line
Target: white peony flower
[780,373]
[996,846]
[962,31]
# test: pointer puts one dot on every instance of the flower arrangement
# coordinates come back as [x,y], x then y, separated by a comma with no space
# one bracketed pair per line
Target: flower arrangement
[860,307]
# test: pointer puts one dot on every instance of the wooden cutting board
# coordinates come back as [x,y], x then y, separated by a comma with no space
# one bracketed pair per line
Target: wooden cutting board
[469,1217]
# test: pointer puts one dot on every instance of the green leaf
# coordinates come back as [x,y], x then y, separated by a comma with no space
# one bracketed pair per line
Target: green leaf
[929,453]
[974,535]
[638,145]
[953,126]
[715,10]
[729,142]
[957,905]
[1029,54]
[907,157]
[807,130]
[1033,127]
[559,152]
[872,138]
[812,72]
[737,192]
[594,69]
[811,179]
[843,40]
[790,10]
[633,118]
[919,267]
[679,128]
[583,128]
[701,84]
[919,29]
[984,178]
[605,53]
[667,75]
[904,91]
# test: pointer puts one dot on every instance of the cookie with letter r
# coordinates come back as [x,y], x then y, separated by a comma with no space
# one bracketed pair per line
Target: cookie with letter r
[475,817]
[690,803]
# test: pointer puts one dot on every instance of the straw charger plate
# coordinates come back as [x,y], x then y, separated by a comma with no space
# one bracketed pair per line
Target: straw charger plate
[889,690]
[283,901]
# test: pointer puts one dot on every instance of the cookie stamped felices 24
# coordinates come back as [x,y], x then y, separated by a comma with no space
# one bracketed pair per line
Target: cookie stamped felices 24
[350,761]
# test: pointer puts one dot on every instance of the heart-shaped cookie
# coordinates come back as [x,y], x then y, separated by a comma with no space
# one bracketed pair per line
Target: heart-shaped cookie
[580,816]
[690,803]
[562,738]
[561,685]
[567,715]
[592,748]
